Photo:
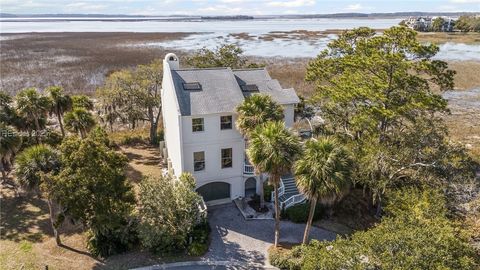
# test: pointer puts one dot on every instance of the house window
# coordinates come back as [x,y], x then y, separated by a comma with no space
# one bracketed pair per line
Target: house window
[226,122]
[227,158]
[197,124]
[198,161]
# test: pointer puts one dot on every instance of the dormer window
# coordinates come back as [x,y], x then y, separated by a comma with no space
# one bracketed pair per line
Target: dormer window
[192,86]
[249,88]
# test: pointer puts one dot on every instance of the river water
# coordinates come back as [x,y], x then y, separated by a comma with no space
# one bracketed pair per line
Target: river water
[253,37]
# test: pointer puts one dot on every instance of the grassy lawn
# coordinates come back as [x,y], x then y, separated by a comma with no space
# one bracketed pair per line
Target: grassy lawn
[27,241]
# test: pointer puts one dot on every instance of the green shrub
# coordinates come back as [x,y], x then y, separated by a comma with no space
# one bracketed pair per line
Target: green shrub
[415,234]
[112,241]
[129,137]
[132,140]
[52,138]
[286,259]
[299,213]
[267,191]
[169,214]
[200,239]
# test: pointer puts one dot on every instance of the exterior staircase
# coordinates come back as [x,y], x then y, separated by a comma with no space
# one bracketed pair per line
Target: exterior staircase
[288,192]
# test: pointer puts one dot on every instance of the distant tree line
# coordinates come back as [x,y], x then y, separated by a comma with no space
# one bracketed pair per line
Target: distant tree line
[468,23]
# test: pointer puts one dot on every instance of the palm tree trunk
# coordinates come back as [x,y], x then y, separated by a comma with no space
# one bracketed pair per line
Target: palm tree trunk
[37,130]
[82,133]
[313,204]
[2,169]
[59,117]
[277,211]
[261,192]
[379,207]
[52,221]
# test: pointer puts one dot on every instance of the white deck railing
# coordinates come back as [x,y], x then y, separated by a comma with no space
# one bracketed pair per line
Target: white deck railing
[248,169]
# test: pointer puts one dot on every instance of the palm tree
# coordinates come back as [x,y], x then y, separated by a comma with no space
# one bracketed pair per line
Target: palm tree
[273,150]
[10,143]
[79,121]
[32,105]
[254,111]
[34,168]
[322,172]
[82,101]
[60,103]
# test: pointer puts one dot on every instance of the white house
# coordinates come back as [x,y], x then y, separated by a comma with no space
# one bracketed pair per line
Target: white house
[198,107]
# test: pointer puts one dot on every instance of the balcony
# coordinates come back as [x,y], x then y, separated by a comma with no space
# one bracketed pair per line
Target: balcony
[248,169]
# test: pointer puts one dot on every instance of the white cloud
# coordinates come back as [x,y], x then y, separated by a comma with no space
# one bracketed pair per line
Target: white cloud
[290,4]
[354,7]
[465,1]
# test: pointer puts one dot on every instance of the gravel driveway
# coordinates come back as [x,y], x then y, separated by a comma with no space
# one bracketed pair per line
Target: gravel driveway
[246,242]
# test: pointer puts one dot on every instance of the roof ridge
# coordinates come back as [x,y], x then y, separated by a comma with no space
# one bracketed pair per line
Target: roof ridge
[195,69]
[248,69]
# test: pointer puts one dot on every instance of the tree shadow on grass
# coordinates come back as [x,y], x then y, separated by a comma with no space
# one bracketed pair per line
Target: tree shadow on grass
[25,217]
[80,252]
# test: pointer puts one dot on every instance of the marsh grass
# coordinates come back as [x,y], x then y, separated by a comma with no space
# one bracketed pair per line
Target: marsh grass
[444,37]
[76,61]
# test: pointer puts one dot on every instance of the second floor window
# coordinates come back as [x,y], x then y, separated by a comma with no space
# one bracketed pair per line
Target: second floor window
[226,122]
[197,124]
[227,158]
[198,161]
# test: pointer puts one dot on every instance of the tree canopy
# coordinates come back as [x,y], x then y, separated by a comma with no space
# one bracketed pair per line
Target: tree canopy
[93,189]
[226,55]
[133,95]
[380,94]
[168,212]
[415,234]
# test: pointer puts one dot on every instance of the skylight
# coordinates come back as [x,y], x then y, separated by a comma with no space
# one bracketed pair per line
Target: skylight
[192,86]
[249,88]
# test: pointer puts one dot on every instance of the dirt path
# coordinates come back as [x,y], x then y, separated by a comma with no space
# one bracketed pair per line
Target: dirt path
[143,161]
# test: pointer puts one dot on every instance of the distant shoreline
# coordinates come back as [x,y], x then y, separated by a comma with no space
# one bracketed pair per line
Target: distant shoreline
[7,17]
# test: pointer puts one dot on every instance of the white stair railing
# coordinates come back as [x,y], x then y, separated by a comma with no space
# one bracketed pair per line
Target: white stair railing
[281,191]
[294,200]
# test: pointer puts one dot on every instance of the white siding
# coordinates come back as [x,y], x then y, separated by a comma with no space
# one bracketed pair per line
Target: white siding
[171,121]
[211,141]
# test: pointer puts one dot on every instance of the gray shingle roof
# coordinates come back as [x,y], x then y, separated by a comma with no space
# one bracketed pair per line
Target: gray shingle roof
[266,85]
[221,92]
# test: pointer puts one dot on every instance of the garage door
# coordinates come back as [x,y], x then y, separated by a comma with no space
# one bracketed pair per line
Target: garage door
[214,191]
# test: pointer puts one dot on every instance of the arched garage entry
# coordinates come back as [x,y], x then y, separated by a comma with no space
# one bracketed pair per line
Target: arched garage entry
[214,191]
[250,187]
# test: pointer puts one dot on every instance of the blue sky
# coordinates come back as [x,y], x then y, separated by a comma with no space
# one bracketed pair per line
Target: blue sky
[229,7]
